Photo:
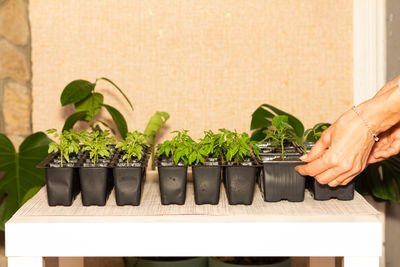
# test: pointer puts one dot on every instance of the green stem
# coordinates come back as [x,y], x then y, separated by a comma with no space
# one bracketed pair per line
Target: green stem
[282,148]
[119,89]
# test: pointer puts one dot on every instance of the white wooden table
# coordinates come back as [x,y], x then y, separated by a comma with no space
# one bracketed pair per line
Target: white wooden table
[310,228]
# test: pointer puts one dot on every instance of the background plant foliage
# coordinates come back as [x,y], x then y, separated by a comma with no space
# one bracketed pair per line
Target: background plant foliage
[21,179]
[88,103]
[156,122]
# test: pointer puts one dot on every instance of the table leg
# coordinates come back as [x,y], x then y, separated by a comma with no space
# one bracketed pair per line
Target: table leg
[25,261]
[361,261]
[70,262]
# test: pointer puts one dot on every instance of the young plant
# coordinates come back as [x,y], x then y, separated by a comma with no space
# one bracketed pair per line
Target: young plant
[156,122]
[182,148]
[68,143]
[97,143]
[88,103]
[281,131]
[238,147]
[211,145]
[314,133]
[133,145]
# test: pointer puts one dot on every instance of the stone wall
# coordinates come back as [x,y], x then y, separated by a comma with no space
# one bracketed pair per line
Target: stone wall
[15,70]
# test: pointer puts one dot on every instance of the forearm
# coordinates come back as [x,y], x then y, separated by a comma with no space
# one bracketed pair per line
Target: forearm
[383,111]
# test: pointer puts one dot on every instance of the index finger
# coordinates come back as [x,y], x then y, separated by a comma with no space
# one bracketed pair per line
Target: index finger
[313,168]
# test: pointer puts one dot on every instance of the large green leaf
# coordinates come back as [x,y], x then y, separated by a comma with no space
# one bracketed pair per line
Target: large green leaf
[381,180]
[91,105]
[72,119]
[262,116]
[118,119]
[20,172]
[156,122]
[76,91]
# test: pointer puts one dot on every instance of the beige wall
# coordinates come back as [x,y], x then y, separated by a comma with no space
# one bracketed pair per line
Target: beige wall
[208,63]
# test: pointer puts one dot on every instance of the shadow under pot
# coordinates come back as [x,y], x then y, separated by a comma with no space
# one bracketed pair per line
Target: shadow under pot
[62,184]
[128,183]
[207,184]
[325,192]
[239,184]
[172,181]
[280,181]
[96,185]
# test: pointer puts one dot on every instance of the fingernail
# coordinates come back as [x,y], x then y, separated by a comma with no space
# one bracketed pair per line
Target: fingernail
[303,157]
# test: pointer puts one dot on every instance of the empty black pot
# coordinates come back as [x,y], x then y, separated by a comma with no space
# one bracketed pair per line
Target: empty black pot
[239,184]
[207,184]
[96,185]
[128,183]
[172,181]
[62,185]
[325,192]
[280,181]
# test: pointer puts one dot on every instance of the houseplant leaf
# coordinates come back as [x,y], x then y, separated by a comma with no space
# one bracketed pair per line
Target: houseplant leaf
[76,91]
[72,119]
[20,172]
[91,104]
[261,119]
[118,119]
[297,125]
[156,122]
[381,180]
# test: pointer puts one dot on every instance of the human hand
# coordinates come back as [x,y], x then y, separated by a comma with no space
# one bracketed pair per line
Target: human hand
[388,145]
[341,153]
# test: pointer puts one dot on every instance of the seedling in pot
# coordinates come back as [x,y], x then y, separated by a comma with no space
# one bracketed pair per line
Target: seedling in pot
[181,148]
[212,144]
[68,143]
[313,134]
[97,143]
[133,145]
[280,133]
[238,147]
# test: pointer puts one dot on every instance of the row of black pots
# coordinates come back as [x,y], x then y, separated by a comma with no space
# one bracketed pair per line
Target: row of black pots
[239,184]
[279,180]
[94,182]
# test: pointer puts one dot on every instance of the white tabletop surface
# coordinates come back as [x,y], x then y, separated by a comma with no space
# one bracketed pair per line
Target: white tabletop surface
[309,228]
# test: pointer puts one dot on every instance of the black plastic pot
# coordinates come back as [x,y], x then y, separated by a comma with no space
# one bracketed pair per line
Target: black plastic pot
[62,185]
[207,184]
[172,181]
[325,192]
[96,185]
[128,183]
[239,184]
[280,181]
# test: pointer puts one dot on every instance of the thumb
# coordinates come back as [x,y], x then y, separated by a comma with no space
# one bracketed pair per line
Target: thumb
[316,152]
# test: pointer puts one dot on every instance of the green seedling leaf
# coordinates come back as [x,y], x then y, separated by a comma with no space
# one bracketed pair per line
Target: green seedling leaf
[76,91]
[118,119]
[20,172]
[261,119]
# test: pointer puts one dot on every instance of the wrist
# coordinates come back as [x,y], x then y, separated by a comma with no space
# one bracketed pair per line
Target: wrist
[383,111]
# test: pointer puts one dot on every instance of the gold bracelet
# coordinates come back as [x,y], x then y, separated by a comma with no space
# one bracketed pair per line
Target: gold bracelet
[376,138]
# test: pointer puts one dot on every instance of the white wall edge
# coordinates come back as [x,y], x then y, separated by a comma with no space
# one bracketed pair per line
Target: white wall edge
[369,48]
